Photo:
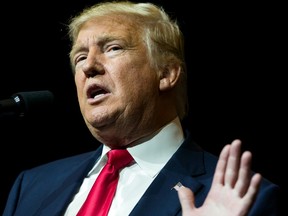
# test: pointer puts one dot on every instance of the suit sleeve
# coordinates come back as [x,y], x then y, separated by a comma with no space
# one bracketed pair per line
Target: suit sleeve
[13,197]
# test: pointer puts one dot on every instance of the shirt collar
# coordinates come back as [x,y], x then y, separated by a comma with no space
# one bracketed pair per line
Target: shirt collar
[151,153]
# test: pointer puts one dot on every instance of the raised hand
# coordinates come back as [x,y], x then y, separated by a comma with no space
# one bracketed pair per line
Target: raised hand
[233,189]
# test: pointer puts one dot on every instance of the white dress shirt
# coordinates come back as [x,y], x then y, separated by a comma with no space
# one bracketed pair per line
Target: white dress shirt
[150,157]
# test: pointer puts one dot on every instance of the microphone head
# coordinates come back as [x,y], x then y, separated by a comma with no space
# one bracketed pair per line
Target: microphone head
[33,102]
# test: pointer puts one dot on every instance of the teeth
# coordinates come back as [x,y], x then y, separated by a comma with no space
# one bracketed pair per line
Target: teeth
[96,96]
[97,92]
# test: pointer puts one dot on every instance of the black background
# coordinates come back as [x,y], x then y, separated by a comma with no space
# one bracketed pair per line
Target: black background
[235,54]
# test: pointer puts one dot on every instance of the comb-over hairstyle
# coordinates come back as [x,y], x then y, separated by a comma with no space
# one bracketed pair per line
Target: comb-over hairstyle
[162,35]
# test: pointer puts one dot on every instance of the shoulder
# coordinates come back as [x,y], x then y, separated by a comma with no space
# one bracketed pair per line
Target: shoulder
[63,166]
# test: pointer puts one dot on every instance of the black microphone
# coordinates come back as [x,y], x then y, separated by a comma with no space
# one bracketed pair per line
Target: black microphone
[23,103]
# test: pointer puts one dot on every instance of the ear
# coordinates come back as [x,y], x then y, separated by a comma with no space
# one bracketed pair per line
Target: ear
[170,76]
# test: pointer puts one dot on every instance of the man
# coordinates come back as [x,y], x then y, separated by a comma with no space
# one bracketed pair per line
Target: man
[130,75]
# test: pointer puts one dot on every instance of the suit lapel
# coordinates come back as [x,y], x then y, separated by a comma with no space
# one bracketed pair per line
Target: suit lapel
[160,198]
[59,199]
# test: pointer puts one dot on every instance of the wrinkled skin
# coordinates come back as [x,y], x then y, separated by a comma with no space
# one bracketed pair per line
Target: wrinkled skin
[233,189]
[133,101]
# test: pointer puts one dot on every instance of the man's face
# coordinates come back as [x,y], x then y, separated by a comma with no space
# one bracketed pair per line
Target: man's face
[116,86]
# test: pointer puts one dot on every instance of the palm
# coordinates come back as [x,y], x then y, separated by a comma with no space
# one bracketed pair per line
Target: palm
[233,190]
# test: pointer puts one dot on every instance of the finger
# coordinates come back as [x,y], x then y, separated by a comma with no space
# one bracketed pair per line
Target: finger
[221,166]
[253,189]
[186,198]
[243,181]
[232,169]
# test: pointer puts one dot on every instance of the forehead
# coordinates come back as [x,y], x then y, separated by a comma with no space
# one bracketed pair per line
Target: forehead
[114,25]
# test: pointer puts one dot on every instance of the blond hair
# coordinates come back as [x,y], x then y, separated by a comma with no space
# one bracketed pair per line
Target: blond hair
[163,38]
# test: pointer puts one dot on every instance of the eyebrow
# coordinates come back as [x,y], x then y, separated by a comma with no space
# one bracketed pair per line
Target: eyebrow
[99,42]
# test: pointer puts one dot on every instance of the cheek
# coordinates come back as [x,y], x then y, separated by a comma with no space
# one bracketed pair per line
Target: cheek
[139,88]
[79,81]
[129,84]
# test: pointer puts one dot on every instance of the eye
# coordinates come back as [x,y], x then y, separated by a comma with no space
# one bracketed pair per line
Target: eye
[113,48]
[79,58]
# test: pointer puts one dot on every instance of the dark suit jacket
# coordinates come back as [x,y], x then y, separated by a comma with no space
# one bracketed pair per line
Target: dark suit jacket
[47,190]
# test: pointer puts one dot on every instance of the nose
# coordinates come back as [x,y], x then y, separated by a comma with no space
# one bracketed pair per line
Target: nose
[92,67]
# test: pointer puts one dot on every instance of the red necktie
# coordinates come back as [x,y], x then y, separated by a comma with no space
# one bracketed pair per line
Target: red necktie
[101,195]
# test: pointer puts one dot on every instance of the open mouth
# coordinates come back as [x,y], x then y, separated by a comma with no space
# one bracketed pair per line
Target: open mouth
[96,91]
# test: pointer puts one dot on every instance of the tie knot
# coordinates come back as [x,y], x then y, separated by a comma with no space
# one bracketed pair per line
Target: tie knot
[119,158]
